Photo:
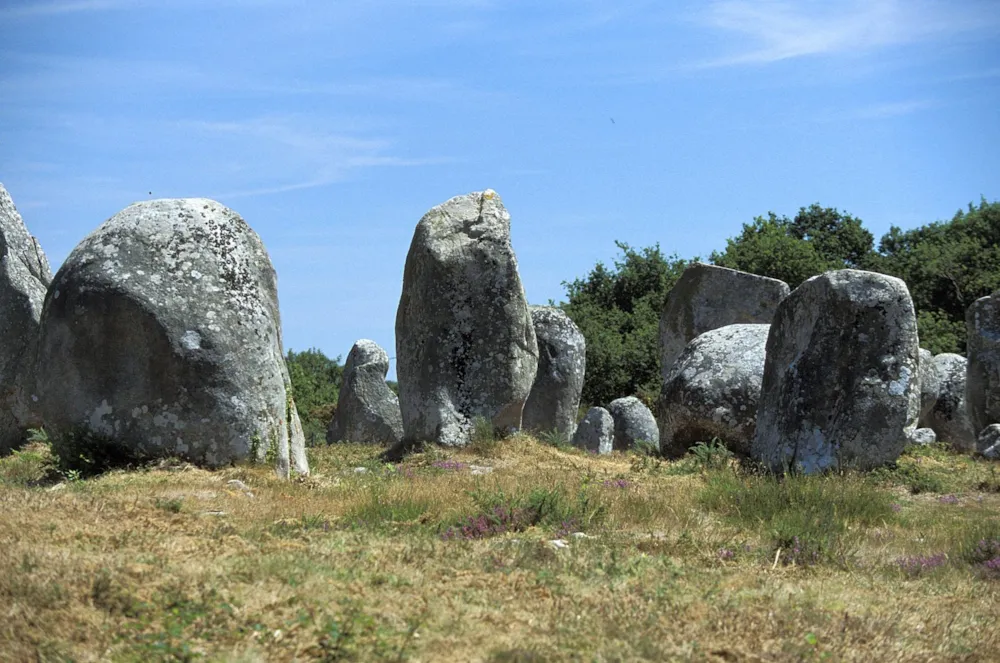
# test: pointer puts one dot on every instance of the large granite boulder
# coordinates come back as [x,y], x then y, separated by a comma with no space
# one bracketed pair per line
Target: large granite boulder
[714,390]
[596,432]
[24,276]
[634,424]
[367,410]
[841,384]
[707,297]
[554,401]
[948,415]
[928,384]
[982,382]
[465,345]
[161,333]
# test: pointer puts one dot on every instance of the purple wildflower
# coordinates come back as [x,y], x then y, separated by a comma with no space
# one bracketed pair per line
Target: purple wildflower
[449,465]
[897,508]
[726,554]
[915,564]
[948,499]
[616,483]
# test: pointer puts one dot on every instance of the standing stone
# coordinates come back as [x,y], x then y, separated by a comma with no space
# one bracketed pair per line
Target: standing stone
[982,382]
[161,333]
[554,400]
[596,432]
[988,441]
[24,276]
[714,390]
[634,423]
[707,297]
[367,410]
[465,345]
[948,415]
[928,384]
[841,384]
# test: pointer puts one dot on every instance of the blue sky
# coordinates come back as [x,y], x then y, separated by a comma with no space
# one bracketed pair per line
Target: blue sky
[331,127]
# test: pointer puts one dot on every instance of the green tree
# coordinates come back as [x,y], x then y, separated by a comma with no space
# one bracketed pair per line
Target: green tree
[947,266]
[315,385]
[818,239]
[618,312]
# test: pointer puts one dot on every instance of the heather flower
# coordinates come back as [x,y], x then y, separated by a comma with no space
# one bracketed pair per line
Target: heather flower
[915,564]
[616,483]
[449,465]
[726,554]
[897,508]
[948,499]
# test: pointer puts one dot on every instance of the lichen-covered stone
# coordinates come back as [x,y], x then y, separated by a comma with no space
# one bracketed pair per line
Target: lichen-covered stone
[24,276]
[841,383]
[554,400]
[596,432]
[988,441]
[948,415]
[161,332]
[465,345]
[928,384]
[714,390]
[982,382]
[707,297]
[367,410]
[920,436]
[634,424]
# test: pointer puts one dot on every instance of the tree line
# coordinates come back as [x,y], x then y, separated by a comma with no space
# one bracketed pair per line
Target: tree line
[946,265]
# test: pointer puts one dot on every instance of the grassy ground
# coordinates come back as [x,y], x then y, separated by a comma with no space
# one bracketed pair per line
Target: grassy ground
[516,551]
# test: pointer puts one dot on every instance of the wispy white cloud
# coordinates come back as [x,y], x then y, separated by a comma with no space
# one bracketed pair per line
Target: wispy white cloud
[296,153]
[892,109]
[43,9]
[777,30]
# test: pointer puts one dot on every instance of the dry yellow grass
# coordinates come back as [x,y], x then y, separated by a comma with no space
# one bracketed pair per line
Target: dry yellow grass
[176,564]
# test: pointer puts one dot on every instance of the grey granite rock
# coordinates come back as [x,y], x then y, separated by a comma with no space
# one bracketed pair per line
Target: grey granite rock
[367,410]
[554,400]
[161,332]
[596,432]
[841,375]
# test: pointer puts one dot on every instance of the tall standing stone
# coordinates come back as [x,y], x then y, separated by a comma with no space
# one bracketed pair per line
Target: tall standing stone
[465,345]
[982,382]
[554,400]
[367,410]
[714,390]
[948,415]
[161,332]
[707,297]
[928,383]
[841,385]
[24,277]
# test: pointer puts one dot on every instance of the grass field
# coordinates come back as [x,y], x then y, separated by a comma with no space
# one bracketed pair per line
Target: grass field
[510,551]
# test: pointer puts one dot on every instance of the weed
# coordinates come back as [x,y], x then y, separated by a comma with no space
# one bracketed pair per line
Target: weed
[86,453]
[383,507]
[711,456]
[173,505]
[484,438]
[29,466]
[554,438]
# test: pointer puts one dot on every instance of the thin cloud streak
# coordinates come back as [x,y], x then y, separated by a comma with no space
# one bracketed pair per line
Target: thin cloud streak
[783,30]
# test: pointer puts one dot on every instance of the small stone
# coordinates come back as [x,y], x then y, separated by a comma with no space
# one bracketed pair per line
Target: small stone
[558,544]
[634,424]
[921,436]
[989,441]
[367,410]
[596,433]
